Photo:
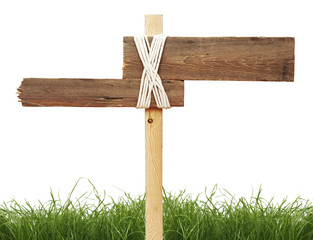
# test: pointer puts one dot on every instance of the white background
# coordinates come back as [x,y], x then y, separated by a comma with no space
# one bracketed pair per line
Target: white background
[239,135]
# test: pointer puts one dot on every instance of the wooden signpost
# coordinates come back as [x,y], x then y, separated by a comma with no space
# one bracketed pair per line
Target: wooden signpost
[184,58]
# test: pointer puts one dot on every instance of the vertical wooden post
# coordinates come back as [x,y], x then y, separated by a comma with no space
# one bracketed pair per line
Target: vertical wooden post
[153,137]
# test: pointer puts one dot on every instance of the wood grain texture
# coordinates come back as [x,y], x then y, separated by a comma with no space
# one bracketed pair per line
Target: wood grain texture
[154,172]
[154,145]
[218,58]
[153,24]
[90,92]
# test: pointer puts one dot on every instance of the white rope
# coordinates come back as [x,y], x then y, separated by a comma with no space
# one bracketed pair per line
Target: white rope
[150,80]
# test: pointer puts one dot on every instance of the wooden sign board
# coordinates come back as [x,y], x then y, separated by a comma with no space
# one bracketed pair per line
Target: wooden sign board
[184,58]
[218,58]
[67,92]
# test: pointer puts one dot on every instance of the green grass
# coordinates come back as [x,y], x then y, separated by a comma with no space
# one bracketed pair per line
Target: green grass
[218,216]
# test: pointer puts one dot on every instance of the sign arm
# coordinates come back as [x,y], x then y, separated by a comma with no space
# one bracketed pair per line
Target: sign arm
[87,92]
[219,59]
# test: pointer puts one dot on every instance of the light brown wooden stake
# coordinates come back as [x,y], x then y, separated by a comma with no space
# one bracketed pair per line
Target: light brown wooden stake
[153,137]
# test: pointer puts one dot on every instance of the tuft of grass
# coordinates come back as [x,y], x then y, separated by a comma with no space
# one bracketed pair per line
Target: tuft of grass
[216,217]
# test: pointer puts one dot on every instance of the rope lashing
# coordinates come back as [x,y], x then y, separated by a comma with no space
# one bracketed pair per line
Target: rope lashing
[150,80]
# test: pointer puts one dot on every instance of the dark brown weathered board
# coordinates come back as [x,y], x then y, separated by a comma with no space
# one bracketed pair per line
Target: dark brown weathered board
[90,92]
[218,58]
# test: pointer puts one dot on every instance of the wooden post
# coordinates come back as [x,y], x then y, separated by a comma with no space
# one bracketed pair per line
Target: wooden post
[153,137]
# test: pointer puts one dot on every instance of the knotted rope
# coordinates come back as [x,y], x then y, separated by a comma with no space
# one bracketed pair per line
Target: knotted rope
[150,80]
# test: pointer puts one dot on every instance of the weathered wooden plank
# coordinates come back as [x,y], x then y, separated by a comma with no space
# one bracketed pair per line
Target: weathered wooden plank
[90,92]
[218,58]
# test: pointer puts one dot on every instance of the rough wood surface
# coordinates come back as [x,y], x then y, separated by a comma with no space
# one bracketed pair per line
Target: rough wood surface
[90,92]
[218,58]
[154,151]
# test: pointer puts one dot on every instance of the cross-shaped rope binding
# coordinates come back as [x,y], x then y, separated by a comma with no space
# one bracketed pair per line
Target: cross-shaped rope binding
[150,80]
